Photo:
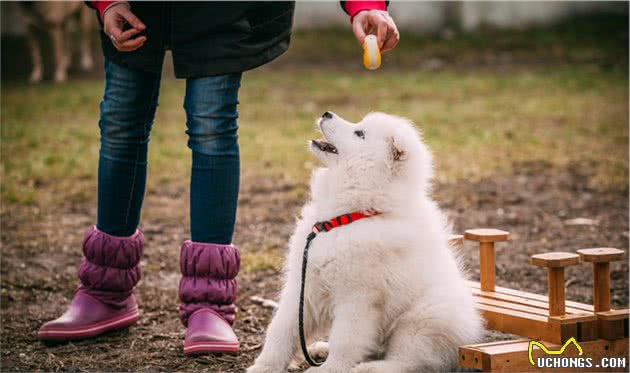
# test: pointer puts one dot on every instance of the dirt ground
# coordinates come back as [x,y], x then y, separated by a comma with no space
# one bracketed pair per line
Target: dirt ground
[42,248]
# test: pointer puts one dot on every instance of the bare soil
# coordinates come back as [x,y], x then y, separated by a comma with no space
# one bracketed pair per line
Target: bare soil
[40,251]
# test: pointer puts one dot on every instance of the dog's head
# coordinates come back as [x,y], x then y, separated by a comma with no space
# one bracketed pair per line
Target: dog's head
[380,151]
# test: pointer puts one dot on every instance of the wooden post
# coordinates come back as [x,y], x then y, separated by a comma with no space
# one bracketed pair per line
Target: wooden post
[555,284]
[486,239]
[487,266]
[601,287]
[601,258]
[555,263]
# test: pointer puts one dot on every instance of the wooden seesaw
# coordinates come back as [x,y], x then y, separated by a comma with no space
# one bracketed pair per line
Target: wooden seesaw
[551,320]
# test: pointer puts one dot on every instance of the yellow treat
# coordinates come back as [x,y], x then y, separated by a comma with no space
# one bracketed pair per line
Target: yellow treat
[371,53]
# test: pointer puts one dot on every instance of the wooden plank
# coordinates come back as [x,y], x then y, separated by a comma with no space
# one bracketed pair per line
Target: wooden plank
[512,356]
[544,305]
[584,329]
[482,356]
[524,324]
[532,296]
[472,358]
[614,314]
[511,306]
[576,317]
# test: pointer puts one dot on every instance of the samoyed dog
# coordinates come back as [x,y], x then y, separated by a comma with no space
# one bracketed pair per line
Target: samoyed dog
[386,291]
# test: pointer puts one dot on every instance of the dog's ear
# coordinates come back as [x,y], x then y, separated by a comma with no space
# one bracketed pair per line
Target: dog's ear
[398,153]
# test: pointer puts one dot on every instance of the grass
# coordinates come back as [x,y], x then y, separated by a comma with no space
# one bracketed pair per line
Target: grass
[478,120]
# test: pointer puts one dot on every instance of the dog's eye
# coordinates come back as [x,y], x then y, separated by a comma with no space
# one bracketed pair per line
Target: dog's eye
[360,134]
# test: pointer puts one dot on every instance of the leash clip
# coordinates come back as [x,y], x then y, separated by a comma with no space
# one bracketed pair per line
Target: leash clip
[319,227]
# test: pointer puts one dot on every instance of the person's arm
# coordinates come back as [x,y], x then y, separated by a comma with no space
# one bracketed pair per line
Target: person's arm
[114,15]
[371,17]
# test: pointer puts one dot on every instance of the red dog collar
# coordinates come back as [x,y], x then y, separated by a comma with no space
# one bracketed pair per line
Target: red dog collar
[325,226]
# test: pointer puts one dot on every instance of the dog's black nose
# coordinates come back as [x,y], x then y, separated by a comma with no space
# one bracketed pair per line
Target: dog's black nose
[327,115]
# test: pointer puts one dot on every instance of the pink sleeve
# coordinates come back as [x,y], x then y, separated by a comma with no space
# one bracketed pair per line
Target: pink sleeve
[101,6]
[354,7]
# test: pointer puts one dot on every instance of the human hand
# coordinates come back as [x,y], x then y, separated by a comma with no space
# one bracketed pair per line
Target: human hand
[376,21]
[114,19]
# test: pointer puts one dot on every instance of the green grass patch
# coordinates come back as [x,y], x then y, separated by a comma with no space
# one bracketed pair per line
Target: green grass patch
[266,260]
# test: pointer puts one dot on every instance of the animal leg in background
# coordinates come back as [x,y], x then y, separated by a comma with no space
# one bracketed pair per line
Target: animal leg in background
[37,72]
[85,29]
[59,52]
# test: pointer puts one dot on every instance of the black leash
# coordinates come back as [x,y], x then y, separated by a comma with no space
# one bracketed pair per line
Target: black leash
[323,226]
[308,358]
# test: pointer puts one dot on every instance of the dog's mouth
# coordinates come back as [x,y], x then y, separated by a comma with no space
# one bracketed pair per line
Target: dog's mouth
[324,146]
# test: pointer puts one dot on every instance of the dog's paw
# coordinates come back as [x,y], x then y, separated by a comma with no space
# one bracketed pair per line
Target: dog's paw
[259,368]
[319,350]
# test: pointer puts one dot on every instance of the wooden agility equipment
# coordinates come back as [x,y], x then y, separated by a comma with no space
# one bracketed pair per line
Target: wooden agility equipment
[600,330]
[486,239]
[512,356]
[611,324]
[555,262]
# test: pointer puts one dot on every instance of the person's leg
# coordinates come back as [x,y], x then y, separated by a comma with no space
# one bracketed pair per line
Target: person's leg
[112,249]
[209,261]
[212,129]
[127,112]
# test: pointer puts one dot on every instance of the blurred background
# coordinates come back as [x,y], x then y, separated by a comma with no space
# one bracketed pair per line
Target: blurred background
[524,104]
[446,19]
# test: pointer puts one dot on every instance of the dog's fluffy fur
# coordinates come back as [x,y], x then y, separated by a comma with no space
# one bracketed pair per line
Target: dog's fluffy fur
[387,291]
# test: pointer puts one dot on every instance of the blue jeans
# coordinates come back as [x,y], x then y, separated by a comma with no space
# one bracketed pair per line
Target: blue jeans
[127,112]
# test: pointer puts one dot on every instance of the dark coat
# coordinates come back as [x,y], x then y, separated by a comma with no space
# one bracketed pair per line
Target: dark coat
[207,38]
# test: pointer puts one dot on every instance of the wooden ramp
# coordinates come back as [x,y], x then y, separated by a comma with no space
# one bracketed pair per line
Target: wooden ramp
[513,356]
[599,330]
[527,315]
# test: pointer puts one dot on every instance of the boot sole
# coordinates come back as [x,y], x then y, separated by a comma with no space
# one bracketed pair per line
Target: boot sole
[210,347]
[63,334]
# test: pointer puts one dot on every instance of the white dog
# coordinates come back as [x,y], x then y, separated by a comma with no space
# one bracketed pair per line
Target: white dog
[387,291]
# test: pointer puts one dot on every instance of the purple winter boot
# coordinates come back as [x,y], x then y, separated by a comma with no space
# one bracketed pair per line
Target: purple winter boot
[207,291]
[104,301]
